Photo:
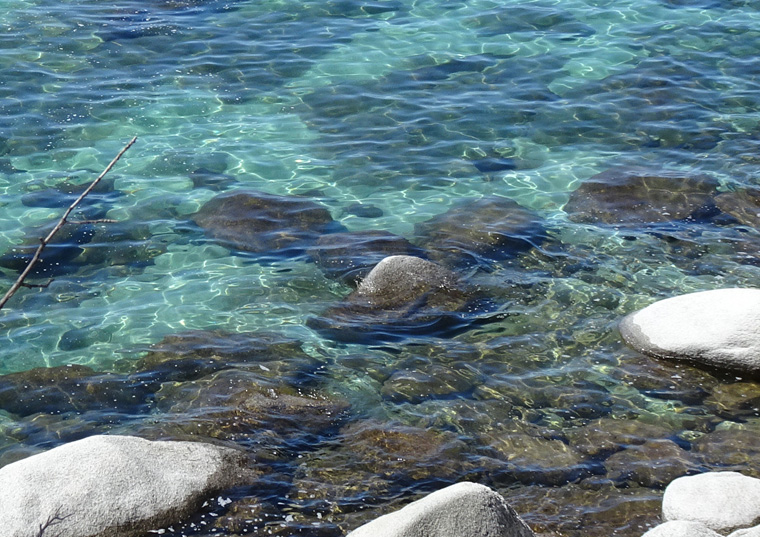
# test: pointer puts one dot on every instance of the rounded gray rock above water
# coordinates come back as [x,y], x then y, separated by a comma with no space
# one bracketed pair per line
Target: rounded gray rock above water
[718,329]
[681,528]
[461,510]
[401,295]
[114,486]
[722,501]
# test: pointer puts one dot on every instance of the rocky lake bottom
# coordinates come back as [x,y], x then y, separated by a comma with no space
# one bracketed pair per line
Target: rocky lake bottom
[551,167]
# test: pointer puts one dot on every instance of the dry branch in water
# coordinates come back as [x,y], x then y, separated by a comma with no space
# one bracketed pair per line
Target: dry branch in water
[44,241]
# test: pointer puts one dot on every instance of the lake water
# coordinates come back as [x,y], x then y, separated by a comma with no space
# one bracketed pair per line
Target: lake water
[409,108]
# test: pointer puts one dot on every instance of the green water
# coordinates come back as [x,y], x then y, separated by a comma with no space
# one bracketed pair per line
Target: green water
[392,104]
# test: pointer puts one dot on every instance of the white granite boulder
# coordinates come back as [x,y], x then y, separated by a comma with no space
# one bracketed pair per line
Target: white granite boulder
[681,528]
[109,486]
[722,501]
[461,510]
[719,329]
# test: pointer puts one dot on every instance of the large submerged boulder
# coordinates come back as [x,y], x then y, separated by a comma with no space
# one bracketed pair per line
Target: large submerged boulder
[744,205]
[461,510]
[70,388]
[234,404]
[402,295]
[194,354]
[480,231]
[114,486]
[717,329]
[261,223]
[640,196]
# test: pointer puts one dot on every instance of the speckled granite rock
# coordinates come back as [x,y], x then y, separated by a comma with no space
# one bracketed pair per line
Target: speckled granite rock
[722,501]
[719,329]
[114,486]
[681,528]
[461,510]
[401,295]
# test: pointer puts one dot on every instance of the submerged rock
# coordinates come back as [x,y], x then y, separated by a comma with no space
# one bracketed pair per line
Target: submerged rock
[373,461]
[402,295]
[363,210]
[605,436]
[233,404]
[58,255]
[733,447]
[744,205]
[654,464]
[480,231]
[114,486]
[436,381]
[204,178]
[718,329]
[638,196]
[735,401]
[350,256]
[262,223]
[526,457]
[70,388]
[66,192]
[196,353]
[461,510]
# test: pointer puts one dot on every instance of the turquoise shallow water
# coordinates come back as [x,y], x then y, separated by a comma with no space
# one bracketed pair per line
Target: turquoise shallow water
[410,107]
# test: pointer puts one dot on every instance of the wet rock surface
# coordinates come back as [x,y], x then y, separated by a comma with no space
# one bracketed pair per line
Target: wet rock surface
[478,232]
[370,461]
[196,353]
[744,205]
[261,223]
[732,446]
[401,295]
[653,464]
[639,196]
[605,436]
[70,388]
[528,455]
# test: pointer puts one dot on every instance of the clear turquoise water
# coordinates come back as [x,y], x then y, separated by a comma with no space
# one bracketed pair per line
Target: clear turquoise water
[389,103]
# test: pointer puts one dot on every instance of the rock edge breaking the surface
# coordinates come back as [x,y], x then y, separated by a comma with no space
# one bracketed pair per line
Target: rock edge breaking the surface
[718,329]
[461,510]
[114,486]
[712,504]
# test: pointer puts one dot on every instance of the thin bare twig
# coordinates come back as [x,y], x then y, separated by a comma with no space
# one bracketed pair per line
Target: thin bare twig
[98,221]
[36,285]
[53,520]
[43,242]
